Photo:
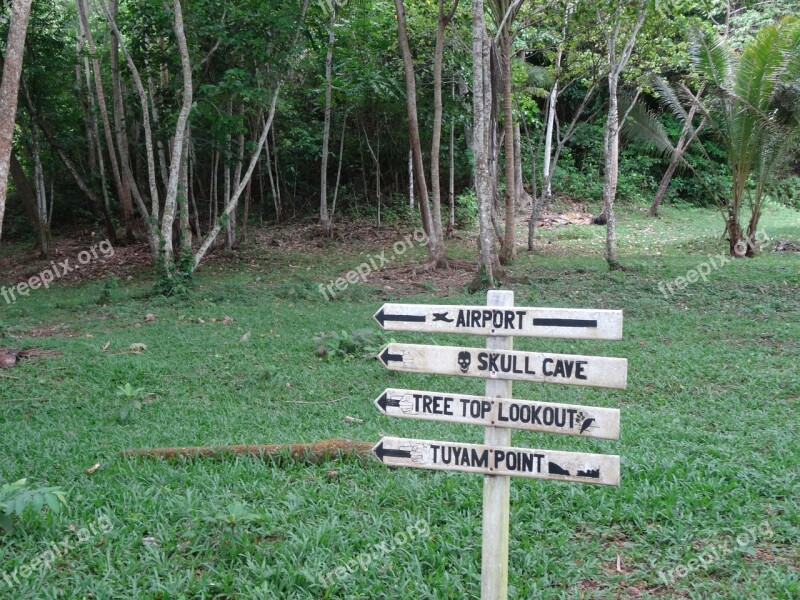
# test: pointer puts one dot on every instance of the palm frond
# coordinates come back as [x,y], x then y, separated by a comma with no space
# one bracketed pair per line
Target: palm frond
[643,125]
[711,56]
[669,98]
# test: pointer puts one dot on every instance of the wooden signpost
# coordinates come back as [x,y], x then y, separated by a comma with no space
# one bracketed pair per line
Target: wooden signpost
[497,412]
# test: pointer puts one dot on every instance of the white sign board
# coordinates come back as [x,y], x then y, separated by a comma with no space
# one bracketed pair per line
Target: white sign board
[594,371]
[576,467]
[567,419]
[567,323]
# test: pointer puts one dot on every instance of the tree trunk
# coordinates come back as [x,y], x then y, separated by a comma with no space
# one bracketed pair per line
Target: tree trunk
[168,217]
[27,195]
[451,192]
[436,142]
[122,187]
[683,145]
[326,219]
[128,181]
[9,91]
[97,206]
[611,154]
[482,103]
[435,246]
[151,217]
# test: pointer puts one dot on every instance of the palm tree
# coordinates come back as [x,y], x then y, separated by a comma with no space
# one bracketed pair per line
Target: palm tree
[753,107]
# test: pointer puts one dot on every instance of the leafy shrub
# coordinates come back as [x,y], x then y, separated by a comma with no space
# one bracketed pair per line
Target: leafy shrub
[466,209]
[16,497]
[362,342]
[130,401]
[787,191]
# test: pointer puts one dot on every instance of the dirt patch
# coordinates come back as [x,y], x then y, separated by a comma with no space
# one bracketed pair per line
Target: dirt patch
[10,358]
[66,265]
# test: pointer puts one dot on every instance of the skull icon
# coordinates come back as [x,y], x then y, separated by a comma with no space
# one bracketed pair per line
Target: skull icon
[464,359]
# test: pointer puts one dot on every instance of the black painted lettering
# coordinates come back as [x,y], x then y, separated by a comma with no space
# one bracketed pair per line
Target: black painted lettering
[464,404]
[482,364]
[486,406]
[448,408]
[528,369]
[527,463]
[579,372]
[500,415]
[480,460]
[545,362]
[460,321]
[447,455]
[559,370]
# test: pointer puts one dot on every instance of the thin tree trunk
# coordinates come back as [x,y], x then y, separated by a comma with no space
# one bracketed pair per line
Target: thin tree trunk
[97,206]
[177,149]
[183,201]
[122,187]
[9,90]
[193,199]
[150,217]
[91,153]
[611,154]
[27,196]
[339,173]
[508,251]
[438,110]
[411,180]
[482,101]
[451,222]
[129,186]
[325,218]
[435,244]
[683,145]
[42,224]
[275,199]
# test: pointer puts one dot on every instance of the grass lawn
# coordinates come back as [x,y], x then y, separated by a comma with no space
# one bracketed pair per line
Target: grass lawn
[710,446]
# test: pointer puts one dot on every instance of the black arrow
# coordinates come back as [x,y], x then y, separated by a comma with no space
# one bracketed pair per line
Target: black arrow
[387,357]
[385,401]
[564,323]
[382,317]
[380,452]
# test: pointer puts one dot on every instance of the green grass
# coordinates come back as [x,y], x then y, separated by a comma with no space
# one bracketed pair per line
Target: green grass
[709,442]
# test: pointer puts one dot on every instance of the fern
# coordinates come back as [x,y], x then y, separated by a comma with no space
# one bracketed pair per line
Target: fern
[16,497]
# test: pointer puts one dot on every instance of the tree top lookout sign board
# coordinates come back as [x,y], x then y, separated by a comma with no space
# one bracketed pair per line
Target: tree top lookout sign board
[496,459]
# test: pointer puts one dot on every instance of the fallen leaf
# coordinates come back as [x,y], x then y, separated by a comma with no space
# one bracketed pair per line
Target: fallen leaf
[353,420]
[137,348]
[150,318]
[227,321]
[332,474]
[245,338]
[106,345]
[151,541]
[93,469]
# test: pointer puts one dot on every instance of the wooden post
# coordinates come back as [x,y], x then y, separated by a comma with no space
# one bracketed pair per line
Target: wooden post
[496,488]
